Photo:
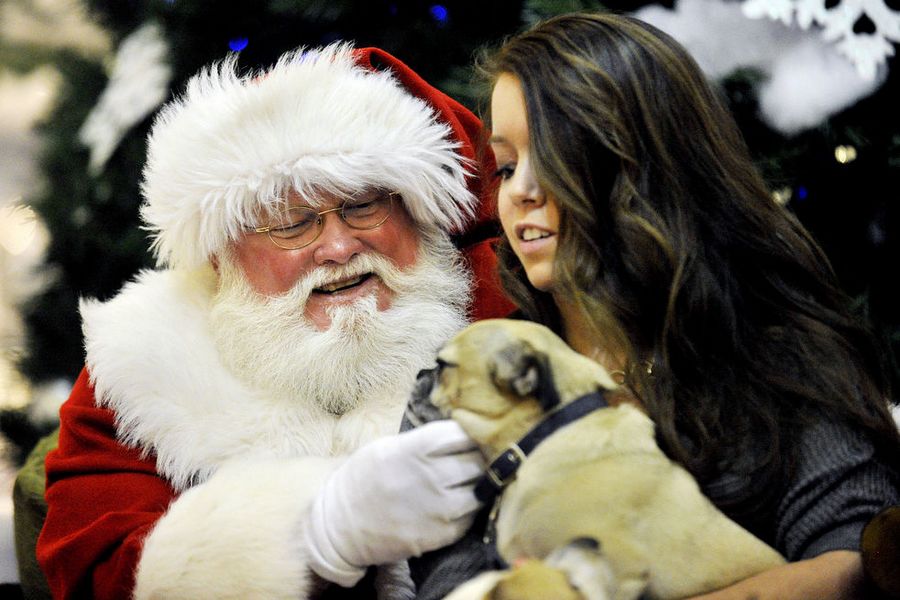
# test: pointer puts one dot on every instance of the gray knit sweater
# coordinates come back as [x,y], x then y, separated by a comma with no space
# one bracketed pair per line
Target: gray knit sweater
[837,487]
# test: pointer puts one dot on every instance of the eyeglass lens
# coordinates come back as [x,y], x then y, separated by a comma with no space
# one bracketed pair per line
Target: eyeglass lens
[299,226]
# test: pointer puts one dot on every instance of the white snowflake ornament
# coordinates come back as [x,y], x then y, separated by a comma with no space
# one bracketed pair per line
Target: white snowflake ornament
[867,50]
[139,83]
[809,12]
[806,78]
[777,10]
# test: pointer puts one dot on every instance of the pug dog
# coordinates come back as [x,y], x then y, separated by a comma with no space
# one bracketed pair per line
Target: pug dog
[598,477]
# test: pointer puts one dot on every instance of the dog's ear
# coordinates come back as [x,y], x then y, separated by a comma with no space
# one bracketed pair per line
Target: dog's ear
[520,369]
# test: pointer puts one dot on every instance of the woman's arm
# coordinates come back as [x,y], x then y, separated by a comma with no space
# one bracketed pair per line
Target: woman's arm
[838,486]
[833,575]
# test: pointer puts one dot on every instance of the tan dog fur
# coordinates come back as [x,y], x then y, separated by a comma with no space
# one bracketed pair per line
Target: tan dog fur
[601,477]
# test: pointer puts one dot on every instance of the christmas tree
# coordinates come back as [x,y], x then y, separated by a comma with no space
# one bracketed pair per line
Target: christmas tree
[836,174]
[91,209]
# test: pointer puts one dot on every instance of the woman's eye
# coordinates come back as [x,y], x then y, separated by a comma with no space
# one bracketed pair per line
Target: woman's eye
[505,172]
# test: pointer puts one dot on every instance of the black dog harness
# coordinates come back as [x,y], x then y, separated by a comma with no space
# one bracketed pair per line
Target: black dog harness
[503,470]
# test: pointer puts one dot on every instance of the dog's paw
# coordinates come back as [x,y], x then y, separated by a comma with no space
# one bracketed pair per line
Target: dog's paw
[533,579]
[577,571]
[586,569]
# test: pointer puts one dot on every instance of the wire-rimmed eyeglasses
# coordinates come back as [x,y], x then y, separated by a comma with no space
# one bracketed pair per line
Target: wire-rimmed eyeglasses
[298,226]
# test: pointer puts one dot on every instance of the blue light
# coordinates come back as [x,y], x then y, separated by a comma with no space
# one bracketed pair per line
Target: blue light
[238,44]
[802,193]
[439,13]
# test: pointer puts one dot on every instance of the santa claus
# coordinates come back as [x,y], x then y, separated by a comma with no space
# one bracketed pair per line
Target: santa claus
[320,232]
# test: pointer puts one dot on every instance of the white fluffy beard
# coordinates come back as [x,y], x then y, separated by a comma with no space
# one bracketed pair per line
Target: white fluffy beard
[366,353]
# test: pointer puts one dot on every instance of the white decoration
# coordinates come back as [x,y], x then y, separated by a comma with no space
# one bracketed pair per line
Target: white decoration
[53,24]
[138,84]
[18,227]
[779,10]
[807,79]
[46,399]
[867,51]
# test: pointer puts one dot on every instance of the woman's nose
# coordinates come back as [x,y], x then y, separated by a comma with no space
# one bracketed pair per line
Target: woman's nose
[525,188]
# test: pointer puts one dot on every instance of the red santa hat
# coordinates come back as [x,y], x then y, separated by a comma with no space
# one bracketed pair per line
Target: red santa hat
[332,118]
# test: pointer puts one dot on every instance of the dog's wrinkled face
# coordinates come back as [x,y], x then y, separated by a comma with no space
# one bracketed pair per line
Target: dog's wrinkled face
[498,377]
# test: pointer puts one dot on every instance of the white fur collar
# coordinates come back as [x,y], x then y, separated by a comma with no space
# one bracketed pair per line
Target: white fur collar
[153,362]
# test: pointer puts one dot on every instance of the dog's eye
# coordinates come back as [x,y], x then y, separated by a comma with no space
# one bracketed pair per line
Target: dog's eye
[443,364]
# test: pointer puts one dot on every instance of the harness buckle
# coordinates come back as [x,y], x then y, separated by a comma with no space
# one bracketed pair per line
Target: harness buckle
[503,470]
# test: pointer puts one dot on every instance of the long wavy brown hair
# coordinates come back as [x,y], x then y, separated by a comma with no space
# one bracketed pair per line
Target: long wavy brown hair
[674,251]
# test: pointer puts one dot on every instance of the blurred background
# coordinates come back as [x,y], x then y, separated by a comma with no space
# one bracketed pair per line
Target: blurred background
[810,81]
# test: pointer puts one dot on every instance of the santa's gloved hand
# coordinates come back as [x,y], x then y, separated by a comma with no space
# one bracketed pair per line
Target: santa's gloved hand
[394,498]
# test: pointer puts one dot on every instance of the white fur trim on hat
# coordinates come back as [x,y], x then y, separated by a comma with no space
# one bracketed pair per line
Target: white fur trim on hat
[316,121]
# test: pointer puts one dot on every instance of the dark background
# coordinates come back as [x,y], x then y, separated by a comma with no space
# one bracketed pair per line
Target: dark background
[96,244]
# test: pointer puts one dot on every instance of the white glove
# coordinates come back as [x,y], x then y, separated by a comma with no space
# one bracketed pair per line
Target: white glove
[395,497]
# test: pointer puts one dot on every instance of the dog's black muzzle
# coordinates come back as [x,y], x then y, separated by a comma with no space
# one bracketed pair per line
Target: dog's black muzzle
[419,409]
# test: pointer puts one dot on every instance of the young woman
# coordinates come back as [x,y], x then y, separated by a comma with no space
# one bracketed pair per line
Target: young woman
[638,228]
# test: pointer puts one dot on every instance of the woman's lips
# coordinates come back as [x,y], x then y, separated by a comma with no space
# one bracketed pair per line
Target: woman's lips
[532,238]
[528,233]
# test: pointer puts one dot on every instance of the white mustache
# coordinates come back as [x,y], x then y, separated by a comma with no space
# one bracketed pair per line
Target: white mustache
[371,353]
[361,264]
